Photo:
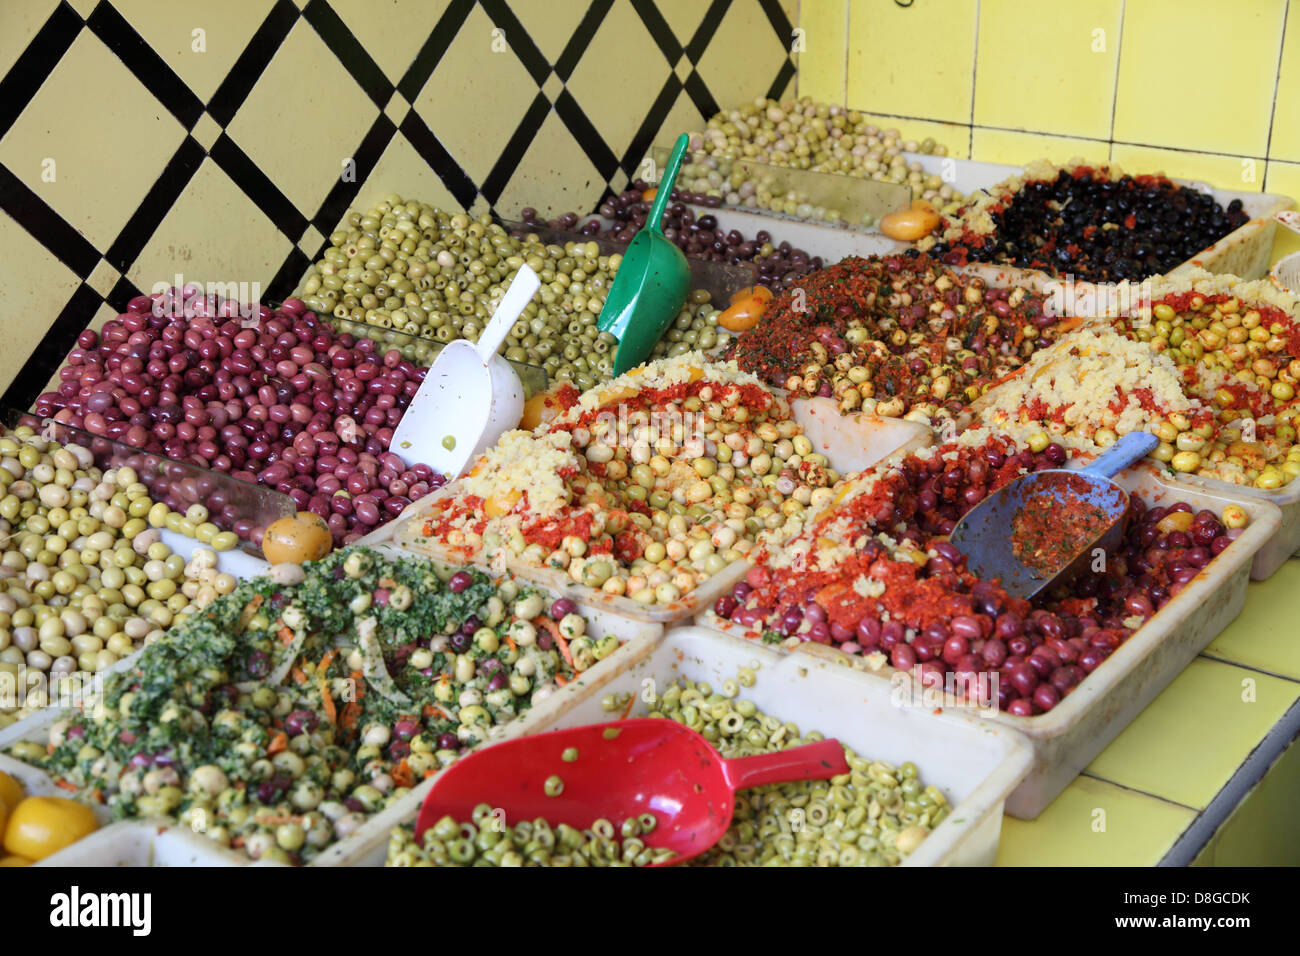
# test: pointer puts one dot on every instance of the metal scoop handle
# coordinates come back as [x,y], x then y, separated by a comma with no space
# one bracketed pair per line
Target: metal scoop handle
[1129,450]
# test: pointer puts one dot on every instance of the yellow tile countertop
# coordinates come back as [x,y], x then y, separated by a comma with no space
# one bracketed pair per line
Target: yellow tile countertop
[1218,736]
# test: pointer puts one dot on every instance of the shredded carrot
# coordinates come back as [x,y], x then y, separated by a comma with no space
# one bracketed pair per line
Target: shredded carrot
[510,643]
[285,635]
[430,772]
[65,785]
[402,774]
[250,611]
[351,715]
[628,708]
[322,683]
[278,743]
[97,795]
[428,710]
[299,677]
[561,679]
[1006,378]
[237,842]
[560,642]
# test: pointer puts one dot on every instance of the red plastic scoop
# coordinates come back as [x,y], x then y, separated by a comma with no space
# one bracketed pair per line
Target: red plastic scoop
[622,769]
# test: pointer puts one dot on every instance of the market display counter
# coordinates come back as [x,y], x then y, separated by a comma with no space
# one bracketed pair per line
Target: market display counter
[1201,775]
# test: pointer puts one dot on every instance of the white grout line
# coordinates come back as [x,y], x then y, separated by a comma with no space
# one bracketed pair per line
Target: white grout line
[1114,93]
[974,77]
[848,6]
[1277,85]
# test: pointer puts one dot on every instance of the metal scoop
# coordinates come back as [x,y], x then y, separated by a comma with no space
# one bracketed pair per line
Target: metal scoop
[622,769]
[986,537]
[652,282]
[470,395]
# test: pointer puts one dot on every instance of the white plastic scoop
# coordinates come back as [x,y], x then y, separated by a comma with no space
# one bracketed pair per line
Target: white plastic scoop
[470,395]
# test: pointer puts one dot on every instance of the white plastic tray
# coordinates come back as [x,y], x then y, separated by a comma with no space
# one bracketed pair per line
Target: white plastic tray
[964,175]
[148,843]
[975,764]
[850,442]
[239,563]
[1068,737]
[832,243]
[133,843]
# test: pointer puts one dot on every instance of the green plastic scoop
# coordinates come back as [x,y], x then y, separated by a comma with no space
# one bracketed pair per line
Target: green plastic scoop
[652,282]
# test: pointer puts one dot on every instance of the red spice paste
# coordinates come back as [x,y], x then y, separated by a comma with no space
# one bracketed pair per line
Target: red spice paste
[1056,523]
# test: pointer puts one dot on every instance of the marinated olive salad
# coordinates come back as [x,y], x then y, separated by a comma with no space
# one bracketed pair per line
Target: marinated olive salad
[281,715]
[874,815]
[484,842]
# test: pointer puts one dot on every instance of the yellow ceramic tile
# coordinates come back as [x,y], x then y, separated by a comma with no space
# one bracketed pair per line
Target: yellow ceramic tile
[823,66]
[607,81]
[684,117]
[743,57]
[1191,738]
[476,97]
[392,31]
[1047,67]
[305,116]
[1094,823]
[551,24]
[199,40]
[1284,142]
[1242,173]
[19,22]
[403,171]
[1284,179]
[683,16]
[1264,829]
[38,286]
[1263,637]
[1220,104]
[1002,146]
[917,60]
[555,176]
[214,233]
[108,139]
[955,136]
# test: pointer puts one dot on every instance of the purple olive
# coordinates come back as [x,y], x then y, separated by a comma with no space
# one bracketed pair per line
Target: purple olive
[300,722]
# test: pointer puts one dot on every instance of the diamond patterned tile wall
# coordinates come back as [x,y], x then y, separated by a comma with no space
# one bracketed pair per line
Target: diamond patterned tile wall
[142,139]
